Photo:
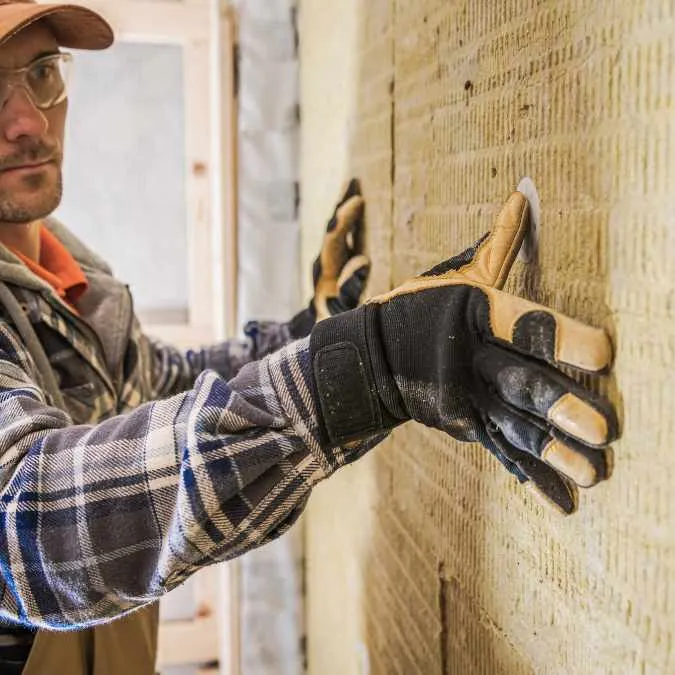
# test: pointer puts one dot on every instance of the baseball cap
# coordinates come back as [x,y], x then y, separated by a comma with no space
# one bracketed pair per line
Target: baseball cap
[72,25]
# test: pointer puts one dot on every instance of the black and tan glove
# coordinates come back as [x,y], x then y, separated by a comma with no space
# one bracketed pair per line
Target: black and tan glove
[452,351]
[341,270]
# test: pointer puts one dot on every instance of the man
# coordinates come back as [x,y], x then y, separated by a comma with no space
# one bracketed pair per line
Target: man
[125,465]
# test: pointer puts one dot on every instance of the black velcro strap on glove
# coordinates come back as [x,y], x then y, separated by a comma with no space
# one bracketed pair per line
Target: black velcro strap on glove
[343,374]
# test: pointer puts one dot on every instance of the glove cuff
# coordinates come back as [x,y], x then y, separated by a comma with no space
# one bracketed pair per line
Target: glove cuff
[345,384]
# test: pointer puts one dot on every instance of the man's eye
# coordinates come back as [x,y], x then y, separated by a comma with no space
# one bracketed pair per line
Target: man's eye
[43,72]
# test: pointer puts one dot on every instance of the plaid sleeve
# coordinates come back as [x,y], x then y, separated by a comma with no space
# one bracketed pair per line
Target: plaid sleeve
[98,520]
[176,371]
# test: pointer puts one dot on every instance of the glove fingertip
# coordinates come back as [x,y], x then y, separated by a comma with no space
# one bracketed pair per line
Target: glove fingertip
[546,484]
[348,215]
[353,187]
[565,504]
[357,267]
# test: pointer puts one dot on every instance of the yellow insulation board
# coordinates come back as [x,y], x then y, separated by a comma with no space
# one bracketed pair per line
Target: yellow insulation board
[426,557]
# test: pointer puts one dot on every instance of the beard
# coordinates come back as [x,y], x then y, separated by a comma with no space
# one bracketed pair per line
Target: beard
[39,193]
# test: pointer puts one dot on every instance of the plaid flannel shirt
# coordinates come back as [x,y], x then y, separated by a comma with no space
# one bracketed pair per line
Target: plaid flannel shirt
[162,463]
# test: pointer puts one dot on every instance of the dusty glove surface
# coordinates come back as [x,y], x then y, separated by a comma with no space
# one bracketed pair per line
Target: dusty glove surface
[340,271]
[449,349]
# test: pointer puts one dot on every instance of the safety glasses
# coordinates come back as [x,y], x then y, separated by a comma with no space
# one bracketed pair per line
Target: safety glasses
[45,80]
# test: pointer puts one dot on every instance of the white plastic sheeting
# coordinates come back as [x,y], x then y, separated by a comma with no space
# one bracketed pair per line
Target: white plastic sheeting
[271,578]
[272,610]
[269,239]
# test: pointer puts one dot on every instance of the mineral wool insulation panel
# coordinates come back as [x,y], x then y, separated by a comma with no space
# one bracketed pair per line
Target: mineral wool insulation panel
[436,561]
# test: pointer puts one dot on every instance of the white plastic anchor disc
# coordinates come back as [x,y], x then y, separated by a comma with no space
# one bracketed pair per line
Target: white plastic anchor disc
[528,251]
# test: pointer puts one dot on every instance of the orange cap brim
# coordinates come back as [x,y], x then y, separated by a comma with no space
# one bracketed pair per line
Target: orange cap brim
[72,26]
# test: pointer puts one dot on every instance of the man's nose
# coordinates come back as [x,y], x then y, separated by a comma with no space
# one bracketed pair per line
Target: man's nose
[20,117]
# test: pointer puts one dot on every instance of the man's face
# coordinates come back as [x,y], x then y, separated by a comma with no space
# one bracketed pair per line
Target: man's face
[31,140]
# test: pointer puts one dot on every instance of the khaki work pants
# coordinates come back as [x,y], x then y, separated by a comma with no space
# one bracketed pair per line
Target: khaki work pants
[127,646]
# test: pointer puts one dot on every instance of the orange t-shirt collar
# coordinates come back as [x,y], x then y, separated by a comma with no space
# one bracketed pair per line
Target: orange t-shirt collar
[57,267]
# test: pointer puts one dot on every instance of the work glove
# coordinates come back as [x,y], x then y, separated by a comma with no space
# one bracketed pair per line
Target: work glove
[449,349]
[341,270]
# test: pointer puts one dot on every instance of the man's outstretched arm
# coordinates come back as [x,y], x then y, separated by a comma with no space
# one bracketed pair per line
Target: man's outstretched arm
[98,520]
